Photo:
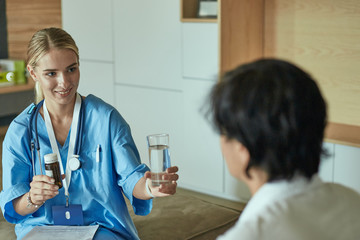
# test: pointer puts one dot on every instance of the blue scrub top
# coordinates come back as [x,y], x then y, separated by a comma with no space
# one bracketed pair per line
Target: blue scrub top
[97,186]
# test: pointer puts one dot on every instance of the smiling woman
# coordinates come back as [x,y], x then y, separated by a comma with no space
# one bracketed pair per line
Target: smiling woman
[58,58]
[58,76]
[94,193]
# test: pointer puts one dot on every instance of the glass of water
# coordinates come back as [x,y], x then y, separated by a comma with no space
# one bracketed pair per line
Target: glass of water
[159,157]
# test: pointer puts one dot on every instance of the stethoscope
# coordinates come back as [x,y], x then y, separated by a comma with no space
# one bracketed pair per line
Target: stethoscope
[74,162]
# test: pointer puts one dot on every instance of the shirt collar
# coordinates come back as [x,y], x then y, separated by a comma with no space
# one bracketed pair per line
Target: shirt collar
[276,191]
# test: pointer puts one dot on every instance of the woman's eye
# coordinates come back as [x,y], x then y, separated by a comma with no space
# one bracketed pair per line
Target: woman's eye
[51,74]
[72,69]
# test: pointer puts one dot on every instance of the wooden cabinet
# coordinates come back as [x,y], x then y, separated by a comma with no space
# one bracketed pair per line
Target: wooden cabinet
[210,47]
[241,29]
[249,30]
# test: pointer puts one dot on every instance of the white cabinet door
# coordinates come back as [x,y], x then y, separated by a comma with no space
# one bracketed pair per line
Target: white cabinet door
[97,78]
[347,166]
[200,50]
[147,39]
[202,167]
[326,168]
[89,22]
[150,111]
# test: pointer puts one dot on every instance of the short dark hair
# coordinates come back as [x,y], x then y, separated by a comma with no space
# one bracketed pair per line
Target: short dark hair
[277,112]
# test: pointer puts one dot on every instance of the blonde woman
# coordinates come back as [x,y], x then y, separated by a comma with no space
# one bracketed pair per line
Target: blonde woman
[97,155]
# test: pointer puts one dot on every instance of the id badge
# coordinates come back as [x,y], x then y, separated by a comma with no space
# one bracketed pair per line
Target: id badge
[71,215]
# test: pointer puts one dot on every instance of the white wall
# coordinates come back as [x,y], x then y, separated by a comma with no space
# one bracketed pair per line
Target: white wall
[347,166]
[92,29]
[147,40]
[157,72]
[200,52]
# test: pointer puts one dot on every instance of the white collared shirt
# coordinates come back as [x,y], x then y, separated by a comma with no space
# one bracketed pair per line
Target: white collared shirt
[299,209]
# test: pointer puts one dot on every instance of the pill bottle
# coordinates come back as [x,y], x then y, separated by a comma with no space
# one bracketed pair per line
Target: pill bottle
[52,168]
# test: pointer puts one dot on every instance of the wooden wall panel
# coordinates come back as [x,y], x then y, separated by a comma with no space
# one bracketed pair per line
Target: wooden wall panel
[323,37]
[343,134]
[25,17]
[241,32]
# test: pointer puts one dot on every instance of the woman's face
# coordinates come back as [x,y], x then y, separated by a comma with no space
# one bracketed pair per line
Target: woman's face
[59,75]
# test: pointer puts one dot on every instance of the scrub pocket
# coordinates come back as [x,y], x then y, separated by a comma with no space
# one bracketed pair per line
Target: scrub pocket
[91,172]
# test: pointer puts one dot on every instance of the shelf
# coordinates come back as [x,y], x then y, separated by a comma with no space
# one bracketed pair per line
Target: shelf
[200,20]
[189,9]
[343,134]
[18,88]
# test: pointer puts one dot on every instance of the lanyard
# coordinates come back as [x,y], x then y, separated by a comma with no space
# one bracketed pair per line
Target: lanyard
[54,146]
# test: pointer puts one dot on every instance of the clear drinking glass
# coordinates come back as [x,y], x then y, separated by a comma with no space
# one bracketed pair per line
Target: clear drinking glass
[159,157]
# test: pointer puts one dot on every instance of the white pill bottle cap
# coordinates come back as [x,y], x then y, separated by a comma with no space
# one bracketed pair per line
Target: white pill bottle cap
[50,158]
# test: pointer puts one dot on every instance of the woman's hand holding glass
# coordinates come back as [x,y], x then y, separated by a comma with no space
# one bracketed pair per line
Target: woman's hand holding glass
[168,187]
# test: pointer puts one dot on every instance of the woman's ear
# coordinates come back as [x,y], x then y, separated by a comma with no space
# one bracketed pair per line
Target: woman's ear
[31,70]
[243,159]
[243,153]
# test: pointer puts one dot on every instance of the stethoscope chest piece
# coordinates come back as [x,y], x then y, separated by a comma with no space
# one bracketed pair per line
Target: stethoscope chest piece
[74,163]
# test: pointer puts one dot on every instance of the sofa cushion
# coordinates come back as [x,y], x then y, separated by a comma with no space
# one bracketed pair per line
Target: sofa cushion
[184,217]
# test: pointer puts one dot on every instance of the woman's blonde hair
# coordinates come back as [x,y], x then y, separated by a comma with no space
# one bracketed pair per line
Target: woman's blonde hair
[41,43]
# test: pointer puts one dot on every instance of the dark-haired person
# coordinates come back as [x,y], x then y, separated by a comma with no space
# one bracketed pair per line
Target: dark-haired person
[271,117]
